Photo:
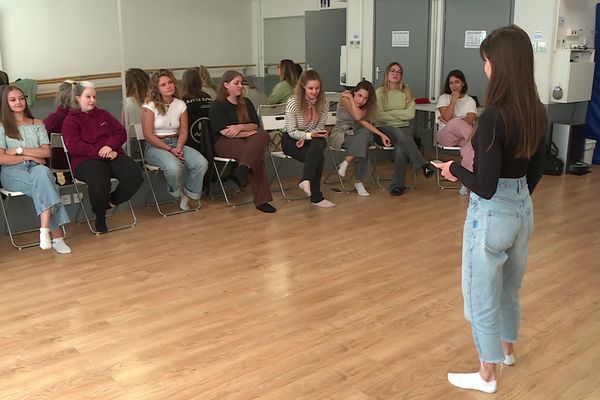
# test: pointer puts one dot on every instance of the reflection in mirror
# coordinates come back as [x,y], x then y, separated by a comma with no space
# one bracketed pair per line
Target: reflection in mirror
[46,41]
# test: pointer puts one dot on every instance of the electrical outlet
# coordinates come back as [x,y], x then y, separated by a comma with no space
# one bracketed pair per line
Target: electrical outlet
[65,199]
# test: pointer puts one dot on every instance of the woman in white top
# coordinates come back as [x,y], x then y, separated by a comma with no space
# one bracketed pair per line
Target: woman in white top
[456,113]
[165,127]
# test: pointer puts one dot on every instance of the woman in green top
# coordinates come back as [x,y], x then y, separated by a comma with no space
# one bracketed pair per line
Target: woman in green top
[286,70]
[395,110]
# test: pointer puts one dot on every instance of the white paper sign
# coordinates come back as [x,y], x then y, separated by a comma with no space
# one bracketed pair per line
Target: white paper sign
[473,39]
[400,38]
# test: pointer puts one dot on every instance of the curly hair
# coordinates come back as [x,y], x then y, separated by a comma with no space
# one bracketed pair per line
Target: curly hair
[153,95]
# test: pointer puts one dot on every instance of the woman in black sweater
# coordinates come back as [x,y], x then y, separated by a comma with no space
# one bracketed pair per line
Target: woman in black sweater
[509,148]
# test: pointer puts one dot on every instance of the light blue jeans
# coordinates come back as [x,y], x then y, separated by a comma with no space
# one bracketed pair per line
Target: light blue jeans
[185,175]
[37,182]
[495,239]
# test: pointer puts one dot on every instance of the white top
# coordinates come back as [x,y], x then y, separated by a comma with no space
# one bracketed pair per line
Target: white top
[463,106]
[167,124]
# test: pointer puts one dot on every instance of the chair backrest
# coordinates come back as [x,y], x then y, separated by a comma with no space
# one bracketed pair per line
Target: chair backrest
[273,122]
[139,133]
[58,156]
[271,109]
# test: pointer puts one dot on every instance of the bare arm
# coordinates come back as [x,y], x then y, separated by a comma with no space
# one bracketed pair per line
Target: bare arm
[470,118]
[183,130]
[13,159]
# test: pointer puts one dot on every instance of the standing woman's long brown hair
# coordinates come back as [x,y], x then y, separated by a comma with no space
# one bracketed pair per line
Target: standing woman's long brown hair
[511,91]
[241,110]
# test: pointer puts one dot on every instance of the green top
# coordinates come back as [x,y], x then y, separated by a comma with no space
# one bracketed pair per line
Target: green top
[281,92]
[32,136]
[396,111]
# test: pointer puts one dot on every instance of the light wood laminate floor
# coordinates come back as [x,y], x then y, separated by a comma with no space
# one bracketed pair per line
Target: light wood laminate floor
[358,302]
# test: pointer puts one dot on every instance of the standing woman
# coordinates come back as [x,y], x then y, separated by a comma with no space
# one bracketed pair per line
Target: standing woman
[165,127]
[395,110]
[305,137]
[353,126]
[94,139]
[509,150]
[286,70]
[456,113]
[234,124]
[24,146]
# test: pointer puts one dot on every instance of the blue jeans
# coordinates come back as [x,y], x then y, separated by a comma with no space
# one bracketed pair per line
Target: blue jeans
[186,176]
[495,239]
[37,182]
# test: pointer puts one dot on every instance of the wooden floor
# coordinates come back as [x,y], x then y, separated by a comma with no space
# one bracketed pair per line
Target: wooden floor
[357,302]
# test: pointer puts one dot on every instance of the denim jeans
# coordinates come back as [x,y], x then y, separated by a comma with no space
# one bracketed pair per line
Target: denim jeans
[37,182]
[185,175]
[495,239]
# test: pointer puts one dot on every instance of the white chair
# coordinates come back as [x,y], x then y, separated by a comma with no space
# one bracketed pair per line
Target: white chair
[6,196]
[273,122]
[148,168]
[78,183]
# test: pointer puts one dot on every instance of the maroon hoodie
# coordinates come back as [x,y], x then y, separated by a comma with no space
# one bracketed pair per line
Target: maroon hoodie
[85,133]
[54,121]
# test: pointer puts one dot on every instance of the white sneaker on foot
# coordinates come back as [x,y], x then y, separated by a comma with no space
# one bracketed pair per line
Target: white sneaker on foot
[509,359]
[45,241]
[60,246]
[305,186]
[472,381]
[324,204]
[360,189]
[342,168]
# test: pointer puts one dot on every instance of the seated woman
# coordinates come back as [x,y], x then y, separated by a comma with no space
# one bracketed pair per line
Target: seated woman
[456,112]
[24,146]
[234,124]
[355,110]
[54,122]
[395,110]
[207,83]
[165,127]
[305,137]
[94,139]
[286,71]
[136,86]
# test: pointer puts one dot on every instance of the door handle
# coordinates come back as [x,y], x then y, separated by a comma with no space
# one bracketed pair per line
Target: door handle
[377,71]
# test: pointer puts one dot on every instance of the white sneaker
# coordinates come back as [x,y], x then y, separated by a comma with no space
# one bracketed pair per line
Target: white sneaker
[472,381]
[324,204]
[342,168]
[305,186]
[360,189]
[45,241]
[60,246]
[509,359]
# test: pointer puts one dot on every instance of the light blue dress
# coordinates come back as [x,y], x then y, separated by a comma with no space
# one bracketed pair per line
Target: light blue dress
[34,180]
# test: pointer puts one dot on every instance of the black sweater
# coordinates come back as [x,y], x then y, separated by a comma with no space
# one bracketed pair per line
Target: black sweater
[498,160]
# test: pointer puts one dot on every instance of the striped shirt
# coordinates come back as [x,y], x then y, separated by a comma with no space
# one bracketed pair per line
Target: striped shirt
[296,127]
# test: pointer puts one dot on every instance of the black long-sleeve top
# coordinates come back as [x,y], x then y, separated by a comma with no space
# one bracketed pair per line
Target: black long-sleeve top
[498,160]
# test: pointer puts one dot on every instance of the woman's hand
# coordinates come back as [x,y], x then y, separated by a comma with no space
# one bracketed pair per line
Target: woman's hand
[455,95]
[300,143]
[445,167]
[112,155]
[386,141]
[318,134]
[105,151]
[41,161]
[346,94]
[177,152]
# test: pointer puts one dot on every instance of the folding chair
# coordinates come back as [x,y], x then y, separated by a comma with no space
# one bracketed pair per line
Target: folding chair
[375,176]
[6,195]
[77,183]
[449,150]
[273,122]
[148,168]
[220,173]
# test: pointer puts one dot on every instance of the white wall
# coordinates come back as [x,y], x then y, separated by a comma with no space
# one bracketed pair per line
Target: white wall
[58,38]
[182,33]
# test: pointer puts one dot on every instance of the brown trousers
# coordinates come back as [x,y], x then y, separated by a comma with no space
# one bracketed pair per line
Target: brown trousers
[249,151]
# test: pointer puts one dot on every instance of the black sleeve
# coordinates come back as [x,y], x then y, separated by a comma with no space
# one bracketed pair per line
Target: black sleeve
[252,112]
[488,158]
[535,169]
[218,117]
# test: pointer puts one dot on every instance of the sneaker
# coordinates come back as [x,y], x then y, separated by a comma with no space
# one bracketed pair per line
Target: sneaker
[266,208]
[60,246]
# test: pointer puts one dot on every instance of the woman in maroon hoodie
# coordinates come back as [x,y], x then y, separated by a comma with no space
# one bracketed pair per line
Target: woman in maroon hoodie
[94,139]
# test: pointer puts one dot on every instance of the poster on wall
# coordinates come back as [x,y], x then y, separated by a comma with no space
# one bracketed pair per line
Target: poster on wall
[473,39]
[400,38]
